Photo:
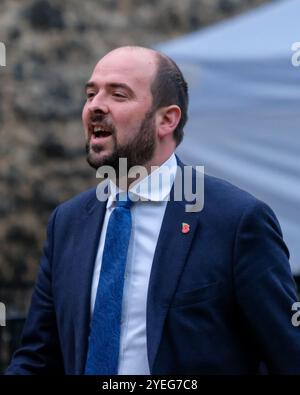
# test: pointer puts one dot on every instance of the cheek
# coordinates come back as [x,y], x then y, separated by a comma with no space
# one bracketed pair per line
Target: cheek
[130,121]
[84,118]
[84,114]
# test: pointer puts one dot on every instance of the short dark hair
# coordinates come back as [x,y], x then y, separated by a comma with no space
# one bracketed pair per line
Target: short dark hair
[169,87]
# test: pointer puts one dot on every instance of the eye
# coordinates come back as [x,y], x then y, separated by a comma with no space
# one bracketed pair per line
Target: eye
[89,94]
[119,95]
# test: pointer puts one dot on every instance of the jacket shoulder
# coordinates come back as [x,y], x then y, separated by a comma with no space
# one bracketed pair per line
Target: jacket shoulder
[219,190]
[80,200]
[225,200]
[77,204]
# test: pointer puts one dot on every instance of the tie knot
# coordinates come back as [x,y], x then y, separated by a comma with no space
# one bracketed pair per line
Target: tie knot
[123,200]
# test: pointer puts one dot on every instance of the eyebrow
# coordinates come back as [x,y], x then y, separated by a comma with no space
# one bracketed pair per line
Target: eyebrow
[91,84]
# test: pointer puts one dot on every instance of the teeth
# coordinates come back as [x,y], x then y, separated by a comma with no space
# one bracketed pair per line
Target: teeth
[98,129]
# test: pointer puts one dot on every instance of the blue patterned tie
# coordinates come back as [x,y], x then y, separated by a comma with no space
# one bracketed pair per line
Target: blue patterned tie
[104,339]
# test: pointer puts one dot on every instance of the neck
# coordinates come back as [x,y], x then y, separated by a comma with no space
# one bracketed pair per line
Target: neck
[125,182]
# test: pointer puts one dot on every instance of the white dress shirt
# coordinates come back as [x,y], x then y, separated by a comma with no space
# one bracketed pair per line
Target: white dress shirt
[147,218]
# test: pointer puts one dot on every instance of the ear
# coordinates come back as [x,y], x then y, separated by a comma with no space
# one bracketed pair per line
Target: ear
[167,119]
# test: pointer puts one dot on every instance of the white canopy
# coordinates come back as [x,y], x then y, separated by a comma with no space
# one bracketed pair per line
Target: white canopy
[244,117]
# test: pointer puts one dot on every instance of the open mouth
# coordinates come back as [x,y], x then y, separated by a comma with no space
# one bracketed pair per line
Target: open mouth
[98,132]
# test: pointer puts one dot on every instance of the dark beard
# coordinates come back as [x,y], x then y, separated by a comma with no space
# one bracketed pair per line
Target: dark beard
[137,152]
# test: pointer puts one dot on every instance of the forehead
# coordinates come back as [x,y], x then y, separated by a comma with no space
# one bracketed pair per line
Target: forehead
[132,67]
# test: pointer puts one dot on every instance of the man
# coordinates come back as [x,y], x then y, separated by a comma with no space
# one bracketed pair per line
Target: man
[207,292]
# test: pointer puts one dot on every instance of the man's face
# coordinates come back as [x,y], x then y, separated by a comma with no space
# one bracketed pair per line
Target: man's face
[117,117]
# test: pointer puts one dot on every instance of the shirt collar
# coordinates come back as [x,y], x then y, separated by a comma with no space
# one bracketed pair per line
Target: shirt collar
[155,187]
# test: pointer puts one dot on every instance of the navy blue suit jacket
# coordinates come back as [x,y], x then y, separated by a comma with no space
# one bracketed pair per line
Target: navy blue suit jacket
[219,297]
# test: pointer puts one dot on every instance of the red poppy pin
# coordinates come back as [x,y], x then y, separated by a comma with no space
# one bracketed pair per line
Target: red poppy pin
[185,228]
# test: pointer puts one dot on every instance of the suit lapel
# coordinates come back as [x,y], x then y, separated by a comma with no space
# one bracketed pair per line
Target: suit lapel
[87,236]
[169,259]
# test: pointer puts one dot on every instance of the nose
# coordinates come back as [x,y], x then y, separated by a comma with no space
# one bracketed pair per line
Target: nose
[98,110]
[97,106]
